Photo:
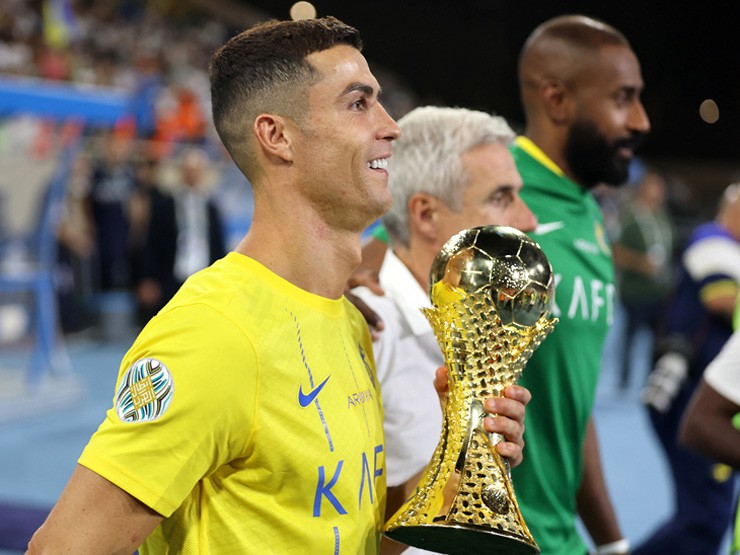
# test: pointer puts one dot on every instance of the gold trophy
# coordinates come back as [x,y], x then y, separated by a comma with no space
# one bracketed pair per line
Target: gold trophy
[492,290]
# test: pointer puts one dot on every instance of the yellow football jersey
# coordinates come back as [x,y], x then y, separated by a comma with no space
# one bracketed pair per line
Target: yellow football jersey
[248,414]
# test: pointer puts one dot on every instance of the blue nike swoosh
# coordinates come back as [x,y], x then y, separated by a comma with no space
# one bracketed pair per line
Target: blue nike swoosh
[305,400]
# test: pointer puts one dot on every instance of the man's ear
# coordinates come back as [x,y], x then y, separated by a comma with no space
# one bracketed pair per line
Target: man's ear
[423,210]
[556,99]
[274,136]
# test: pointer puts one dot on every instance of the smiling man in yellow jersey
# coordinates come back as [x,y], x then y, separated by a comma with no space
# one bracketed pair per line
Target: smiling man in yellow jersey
[247,416]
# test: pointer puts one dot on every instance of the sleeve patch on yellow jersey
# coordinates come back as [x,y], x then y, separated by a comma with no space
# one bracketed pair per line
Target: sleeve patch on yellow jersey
[145,391]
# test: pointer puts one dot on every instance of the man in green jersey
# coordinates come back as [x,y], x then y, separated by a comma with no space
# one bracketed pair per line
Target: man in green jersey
[580,85]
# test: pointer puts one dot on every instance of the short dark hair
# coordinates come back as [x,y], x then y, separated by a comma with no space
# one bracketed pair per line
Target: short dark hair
[579,30]
[264,69]
[560,48]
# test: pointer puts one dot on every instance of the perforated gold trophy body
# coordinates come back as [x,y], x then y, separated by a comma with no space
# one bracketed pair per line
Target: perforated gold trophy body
[492,290]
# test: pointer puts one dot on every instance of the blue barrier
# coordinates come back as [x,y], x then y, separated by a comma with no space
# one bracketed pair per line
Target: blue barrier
[59,100]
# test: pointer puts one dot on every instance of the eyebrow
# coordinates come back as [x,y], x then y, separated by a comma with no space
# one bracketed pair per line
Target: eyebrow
[631,89]
[364,88]
[505,188]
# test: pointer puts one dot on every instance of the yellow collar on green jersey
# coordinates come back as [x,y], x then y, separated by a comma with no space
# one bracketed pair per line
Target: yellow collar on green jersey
[535,152]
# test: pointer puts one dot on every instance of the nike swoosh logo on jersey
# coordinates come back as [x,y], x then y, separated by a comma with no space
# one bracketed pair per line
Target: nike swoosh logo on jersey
[543,229]
[306,399]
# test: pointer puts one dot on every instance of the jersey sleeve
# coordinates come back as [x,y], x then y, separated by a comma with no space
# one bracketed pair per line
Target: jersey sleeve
[714,263]
[183,406]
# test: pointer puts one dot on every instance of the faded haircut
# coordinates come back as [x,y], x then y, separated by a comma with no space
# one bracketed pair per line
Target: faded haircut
[428,158]
[264,70]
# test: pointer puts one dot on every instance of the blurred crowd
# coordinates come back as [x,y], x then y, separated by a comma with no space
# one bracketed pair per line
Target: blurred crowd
[147,50]
[157,53]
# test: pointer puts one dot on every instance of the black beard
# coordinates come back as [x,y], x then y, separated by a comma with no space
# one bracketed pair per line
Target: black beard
[592,159]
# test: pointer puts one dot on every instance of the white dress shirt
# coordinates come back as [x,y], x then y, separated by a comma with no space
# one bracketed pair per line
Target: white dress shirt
[191,213]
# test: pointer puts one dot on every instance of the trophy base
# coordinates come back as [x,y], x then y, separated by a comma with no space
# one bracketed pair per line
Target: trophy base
[462,540]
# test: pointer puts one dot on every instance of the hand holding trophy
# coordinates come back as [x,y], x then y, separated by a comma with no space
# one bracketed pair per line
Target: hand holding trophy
[492,290]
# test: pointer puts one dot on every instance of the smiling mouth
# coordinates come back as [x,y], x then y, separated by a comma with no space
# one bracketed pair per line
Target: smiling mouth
[378,164]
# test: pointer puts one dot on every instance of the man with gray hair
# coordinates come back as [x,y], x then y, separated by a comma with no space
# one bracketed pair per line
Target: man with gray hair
[451,170]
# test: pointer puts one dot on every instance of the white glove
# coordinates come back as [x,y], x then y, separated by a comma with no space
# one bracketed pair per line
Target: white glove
[666,379]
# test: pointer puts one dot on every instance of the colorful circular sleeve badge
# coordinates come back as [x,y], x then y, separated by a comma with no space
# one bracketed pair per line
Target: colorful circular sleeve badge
[145,391]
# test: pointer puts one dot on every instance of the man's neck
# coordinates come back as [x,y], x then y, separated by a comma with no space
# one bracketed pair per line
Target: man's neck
[417,261]
[551,146]
[319,262]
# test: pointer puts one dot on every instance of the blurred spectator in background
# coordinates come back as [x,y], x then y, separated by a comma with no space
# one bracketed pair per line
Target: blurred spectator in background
[693,330]
[18,24]
[112,183]
[609,199]
[150,82]
[76,249]
[185,235]
[180,118]
[643,254]
[147,192]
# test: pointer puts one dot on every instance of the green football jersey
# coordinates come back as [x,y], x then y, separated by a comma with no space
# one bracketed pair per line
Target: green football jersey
[563,372]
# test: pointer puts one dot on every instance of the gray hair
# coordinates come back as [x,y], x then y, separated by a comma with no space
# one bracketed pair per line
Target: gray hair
[428,158]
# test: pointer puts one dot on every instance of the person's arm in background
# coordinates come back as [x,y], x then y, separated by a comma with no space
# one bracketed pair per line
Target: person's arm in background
[718,298]
[714,263]
[94,516]
[626,258]
[722,305]
[363,277]
[707,426]
[594,504]
[710,424]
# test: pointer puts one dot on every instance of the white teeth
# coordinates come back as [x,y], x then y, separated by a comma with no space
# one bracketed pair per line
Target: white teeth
[379,164]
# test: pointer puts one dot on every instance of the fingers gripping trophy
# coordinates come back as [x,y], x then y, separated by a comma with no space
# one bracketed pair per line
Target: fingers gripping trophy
[492,290]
